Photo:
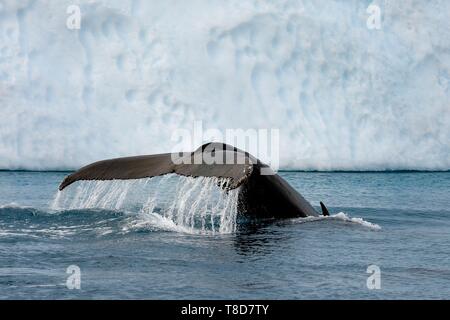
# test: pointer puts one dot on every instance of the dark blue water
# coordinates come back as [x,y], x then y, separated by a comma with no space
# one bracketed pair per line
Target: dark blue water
[405,231]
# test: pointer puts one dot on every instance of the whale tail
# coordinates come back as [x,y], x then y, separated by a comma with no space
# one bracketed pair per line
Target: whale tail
[259,194]
[324,210]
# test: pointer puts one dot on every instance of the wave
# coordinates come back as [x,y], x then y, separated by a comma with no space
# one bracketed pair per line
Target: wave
[86,223]
[14,205]
[98,223]
[344,217]
[341,216]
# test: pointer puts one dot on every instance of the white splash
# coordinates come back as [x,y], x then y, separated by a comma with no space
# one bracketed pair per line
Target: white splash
[13,205]
[344,217]
[341,216]
[170,202]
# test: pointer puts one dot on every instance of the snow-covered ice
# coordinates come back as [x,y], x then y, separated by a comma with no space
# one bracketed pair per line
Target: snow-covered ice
[343,96]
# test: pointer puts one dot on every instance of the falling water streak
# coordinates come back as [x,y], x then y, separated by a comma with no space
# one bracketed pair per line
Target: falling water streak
[190,216]
[200,205]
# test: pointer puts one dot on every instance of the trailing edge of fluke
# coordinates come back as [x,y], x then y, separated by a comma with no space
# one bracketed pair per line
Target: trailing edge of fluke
[264,195]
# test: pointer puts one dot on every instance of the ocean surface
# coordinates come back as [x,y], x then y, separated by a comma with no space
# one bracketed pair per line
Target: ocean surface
[181,238]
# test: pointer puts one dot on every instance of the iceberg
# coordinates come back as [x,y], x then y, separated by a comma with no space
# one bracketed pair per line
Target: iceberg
[344,96]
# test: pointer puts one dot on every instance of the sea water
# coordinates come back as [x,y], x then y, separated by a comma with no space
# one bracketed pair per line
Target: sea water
[183,238]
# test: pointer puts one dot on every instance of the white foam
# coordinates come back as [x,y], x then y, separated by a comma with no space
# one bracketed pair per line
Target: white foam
[341,216]
[344,217]
[152,220]
[13,205]
[54,233]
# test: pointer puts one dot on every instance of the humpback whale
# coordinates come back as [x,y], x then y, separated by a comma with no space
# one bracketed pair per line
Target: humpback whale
[262,193]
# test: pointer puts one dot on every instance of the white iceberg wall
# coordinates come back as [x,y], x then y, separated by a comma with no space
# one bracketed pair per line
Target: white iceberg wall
[343,96]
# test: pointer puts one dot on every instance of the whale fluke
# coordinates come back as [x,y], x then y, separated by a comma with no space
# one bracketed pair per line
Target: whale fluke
[193,164]
[262,192]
